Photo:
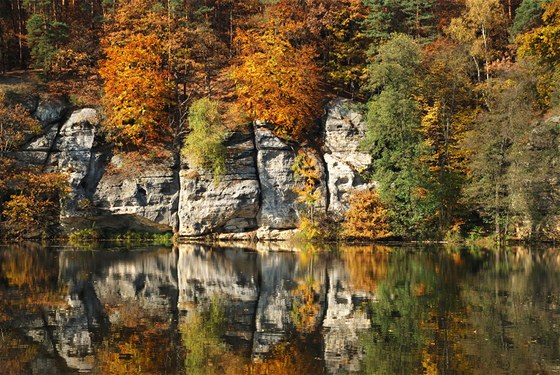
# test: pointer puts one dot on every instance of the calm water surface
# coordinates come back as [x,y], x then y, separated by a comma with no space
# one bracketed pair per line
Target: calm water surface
[201,310]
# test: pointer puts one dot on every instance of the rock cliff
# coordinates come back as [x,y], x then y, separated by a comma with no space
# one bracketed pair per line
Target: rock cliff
[255,197]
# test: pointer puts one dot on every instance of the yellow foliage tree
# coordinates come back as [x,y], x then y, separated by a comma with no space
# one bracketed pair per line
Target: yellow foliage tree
[137,91]
[34,209]
[366,218]
[543,45]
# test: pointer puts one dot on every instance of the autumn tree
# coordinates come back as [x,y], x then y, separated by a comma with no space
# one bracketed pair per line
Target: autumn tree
[16,127]
[495,143]
[448,108]
[344,47]
[33,208]
[483,28]
[366,218]
[540,47]
[137,88]
[277,82]
[13,51]
[137,92]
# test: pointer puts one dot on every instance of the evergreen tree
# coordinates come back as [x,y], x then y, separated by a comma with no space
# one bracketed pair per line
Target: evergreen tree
[527,16]
[412,17]
[393,135]
[45,33]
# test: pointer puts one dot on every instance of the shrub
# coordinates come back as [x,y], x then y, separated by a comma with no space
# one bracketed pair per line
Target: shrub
[366,217]
[33,209]
[204,145]
[308,175]
[81,236]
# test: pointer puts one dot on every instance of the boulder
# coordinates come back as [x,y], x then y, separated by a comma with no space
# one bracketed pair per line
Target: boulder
[50,111]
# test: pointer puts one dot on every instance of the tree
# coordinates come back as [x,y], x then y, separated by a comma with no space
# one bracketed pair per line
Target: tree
[393,135]
[33,210]
[541,46]
[366,218]
[494,146]
[345,47]
[527,16]
[137,92]
[535,181]
[482,27]
[45,37]
[448,108]
[137,81]
[411,17]
[16,126]
[277,82]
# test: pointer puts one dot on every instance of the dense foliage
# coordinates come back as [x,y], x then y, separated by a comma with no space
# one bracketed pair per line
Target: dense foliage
[457,93]
[204,145]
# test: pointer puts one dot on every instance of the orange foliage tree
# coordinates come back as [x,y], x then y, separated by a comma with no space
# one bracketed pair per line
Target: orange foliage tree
[366,218]
[138,87]
[277,82]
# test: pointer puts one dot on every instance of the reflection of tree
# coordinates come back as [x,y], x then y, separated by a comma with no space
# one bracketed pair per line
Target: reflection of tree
[367,266]
[395,343]
[15,355]
[205,352]
[287,358]
[31,273]
[513,312]
[147,347]
[305,307]
[464,312]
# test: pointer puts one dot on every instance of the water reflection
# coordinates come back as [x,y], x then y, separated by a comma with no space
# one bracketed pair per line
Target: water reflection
[199,310]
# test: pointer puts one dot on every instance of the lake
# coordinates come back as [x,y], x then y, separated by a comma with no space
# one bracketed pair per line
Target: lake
[194,309]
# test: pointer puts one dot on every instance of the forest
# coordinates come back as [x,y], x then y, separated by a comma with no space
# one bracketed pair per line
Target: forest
[461,99]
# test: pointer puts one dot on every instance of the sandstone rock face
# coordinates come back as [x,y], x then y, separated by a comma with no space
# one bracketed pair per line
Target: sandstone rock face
[344,321]
[274,161]
[257,195]
[74,153]
[229,205]
[344,129]
[146,199]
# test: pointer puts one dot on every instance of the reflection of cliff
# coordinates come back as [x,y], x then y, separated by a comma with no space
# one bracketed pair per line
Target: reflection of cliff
[344,320]
[227,275]
[264,297]
[267,298]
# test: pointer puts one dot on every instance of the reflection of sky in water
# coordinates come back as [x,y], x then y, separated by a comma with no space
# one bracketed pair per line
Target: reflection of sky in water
[201,310]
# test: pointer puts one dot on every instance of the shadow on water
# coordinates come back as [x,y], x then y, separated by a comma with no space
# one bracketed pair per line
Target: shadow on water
[204,310]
